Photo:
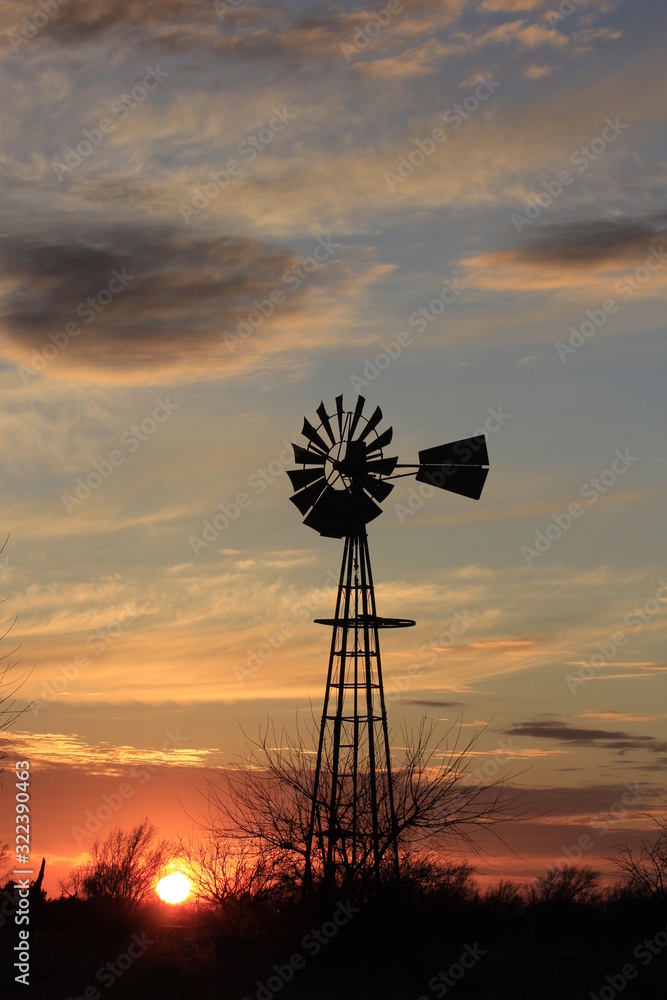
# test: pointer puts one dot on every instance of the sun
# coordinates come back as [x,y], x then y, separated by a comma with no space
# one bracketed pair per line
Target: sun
[174,888]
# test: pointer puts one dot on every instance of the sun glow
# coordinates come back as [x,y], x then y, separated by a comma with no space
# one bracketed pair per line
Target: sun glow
[174,888]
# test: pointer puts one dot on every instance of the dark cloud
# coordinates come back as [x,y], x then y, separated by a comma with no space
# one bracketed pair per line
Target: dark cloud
[80,20]
[177,298]
[256,29]
[618,740]
[596,241]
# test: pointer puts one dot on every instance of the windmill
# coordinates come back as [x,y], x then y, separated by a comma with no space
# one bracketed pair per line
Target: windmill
[343,476]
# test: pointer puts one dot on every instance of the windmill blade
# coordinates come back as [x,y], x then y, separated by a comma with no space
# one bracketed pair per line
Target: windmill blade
[337,513]
[368,509]
[339,414]
[306,498]
[304,457]
[381,466]
[467,481]
[309,432]
[322,414]
[355,416]
[468,451]
[381,442]
[304,477]
[331,513]
[373,421]
[378,488]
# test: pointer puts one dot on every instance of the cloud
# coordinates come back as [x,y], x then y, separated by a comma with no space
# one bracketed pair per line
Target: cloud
[578,256]
[50,750]
[511,5]
[599,240]
[250,30]
[147,300]
[418,61]
[537,72]
[528,36]
[618,740]
[623,716]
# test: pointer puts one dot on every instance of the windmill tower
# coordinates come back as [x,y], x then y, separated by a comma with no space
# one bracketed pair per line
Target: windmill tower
[344,475]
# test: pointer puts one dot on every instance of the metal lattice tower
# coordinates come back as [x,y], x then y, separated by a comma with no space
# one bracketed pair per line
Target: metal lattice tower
[344,471]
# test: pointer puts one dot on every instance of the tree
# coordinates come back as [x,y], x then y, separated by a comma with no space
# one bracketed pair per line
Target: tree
[428,875]
[124,867]
[643,869]
[565,886]
[266,802]
[505,896]
[5,866]
[228,873]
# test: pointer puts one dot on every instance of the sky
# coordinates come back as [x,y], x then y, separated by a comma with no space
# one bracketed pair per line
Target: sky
[215,216]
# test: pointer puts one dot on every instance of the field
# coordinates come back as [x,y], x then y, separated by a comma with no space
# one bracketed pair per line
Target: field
[392,948]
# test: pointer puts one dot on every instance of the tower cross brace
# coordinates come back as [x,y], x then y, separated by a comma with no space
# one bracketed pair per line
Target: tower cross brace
[353,779]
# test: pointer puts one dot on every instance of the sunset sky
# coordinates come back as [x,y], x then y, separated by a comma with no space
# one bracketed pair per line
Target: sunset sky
[485,180]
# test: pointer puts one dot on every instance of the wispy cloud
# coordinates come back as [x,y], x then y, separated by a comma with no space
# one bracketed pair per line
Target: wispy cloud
[618,740]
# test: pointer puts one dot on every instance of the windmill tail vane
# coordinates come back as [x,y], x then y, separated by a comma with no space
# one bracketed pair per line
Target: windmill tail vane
[343,476]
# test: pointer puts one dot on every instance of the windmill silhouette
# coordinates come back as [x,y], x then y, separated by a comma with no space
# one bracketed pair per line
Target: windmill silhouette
[343,477]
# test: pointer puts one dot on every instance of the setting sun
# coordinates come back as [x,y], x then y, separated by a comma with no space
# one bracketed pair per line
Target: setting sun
[174,888]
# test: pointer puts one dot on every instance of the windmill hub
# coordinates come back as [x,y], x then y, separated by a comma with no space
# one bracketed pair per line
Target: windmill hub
[354,464]
[342,478]
[341,473]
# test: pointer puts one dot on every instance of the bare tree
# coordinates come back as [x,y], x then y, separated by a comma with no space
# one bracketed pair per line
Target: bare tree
[565,886]
[5,866]
[229,873]
[506,896]
[123,867]
[427,873]
[643,869]
[266,801]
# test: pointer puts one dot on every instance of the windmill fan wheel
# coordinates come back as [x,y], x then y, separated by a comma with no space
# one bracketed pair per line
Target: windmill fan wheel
[343,470]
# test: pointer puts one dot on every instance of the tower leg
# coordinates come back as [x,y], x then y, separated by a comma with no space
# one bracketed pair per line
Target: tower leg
[352,819]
